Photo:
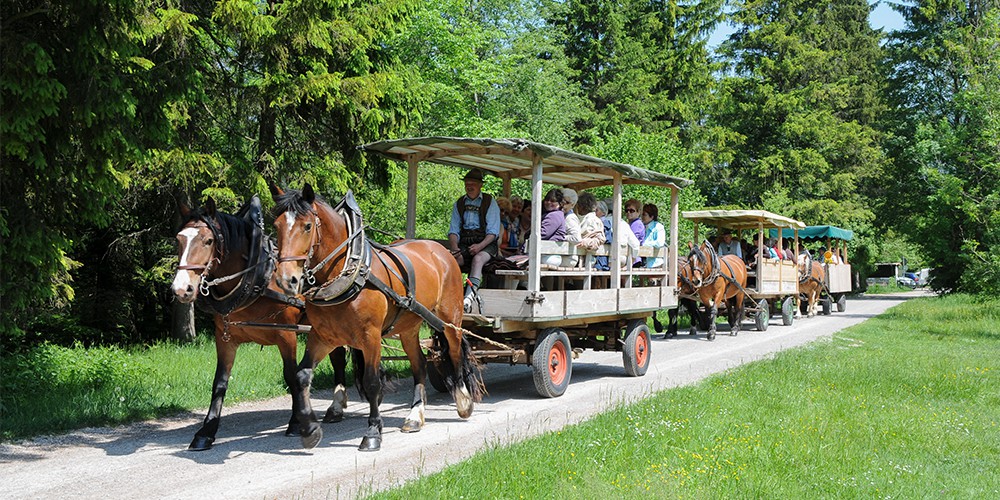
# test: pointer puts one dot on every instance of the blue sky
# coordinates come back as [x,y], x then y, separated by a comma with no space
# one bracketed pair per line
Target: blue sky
[882,17]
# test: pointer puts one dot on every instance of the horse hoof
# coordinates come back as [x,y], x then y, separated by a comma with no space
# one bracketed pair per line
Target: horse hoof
[312,437]
[371,443]
[733,334]
[292,430]
[201,443]
[711,336]
[463,402]
[332,416]
[411,426]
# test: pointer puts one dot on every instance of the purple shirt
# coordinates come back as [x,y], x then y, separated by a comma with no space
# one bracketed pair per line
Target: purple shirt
[639,230]
[553,226]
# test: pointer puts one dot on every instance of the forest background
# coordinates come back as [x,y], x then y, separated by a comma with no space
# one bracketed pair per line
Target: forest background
[113,110]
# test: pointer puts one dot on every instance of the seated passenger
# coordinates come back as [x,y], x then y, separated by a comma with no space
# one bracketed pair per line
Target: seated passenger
[656,235]
[553,227]
[508,231]
[473,233]
[728,246]
[591,227]
[772,252]
[572,224]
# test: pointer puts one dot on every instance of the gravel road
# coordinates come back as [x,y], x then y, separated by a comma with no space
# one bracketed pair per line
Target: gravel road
[252,458]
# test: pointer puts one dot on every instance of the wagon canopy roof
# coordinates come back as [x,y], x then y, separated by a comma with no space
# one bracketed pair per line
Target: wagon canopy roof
[742,219]
[824,232]
[512,157]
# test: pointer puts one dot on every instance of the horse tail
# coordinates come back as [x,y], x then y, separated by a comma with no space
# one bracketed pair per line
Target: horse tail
[470,371]
[358,363]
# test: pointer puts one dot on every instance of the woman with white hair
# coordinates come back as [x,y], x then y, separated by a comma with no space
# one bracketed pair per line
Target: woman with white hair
[572,224]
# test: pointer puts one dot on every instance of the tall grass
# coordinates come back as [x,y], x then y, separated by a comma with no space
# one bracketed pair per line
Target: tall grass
[902,406]
[51,389]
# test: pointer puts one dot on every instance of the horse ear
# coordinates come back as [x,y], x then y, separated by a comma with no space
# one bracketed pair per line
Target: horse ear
[210,207]
[276,191]
[183,209]
[690,245]
[307,194]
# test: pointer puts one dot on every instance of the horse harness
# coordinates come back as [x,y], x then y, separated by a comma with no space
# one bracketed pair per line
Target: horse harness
[356,273]
[716,274]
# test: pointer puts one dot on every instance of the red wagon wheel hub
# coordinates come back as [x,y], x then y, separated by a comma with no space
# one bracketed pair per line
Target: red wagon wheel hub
[641,349]
[557,363]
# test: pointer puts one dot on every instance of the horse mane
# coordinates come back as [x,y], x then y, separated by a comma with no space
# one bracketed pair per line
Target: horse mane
[291,200]
[225,228]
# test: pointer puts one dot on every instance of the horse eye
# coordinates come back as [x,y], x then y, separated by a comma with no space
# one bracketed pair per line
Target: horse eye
[309,226]
[209,241]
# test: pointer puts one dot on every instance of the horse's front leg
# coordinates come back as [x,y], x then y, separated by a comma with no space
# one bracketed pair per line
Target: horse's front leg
[335,413]
[309,429]
[225,355]
[712,311]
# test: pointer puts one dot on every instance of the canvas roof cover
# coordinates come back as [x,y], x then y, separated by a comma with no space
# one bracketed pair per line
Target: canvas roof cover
[513,157]
[823,232]
[742,219]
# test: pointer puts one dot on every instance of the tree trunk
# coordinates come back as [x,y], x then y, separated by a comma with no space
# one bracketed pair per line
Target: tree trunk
[182,327]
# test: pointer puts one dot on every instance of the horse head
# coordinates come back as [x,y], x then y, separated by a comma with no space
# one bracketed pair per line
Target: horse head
[684,283]
[199,246]
[805,264]
[298,229]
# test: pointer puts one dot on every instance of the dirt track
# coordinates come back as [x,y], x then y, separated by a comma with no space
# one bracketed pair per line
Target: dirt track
[252,458]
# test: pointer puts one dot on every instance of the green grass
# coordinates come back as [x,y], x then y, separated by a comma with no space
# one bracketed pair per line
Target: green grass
[877,289]
[51,389]
[905,405]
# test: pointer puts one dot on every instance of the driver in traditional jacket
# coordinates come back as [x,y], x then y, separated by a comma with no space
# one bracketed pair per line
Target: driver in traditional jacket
[473,233]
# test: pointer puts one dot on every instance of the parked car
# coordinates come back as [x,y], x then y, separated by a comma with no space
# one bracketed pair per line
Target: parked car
[906,281]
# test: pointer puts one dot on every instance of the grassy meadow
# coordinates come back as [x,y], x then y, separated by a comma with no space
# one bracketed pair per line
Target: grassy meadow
[905,405]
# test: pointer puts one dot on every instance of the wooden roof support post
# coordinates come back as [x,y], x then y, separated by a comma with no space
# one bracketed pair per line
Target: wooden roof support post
[411,198]
[616,215]
[672,254]
[760,255]
[505,191]
[534,244]
[781,257]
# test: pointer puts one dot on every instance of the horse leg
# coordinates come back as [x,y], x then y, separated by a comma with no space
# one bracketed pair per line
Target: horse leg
[418,365]
[335,413]
[287,344]
[372,381]
[738,311]
[672,315]
[695,314]
[712,312]
[461,371]
[657,326]
[225,353]
[309,429]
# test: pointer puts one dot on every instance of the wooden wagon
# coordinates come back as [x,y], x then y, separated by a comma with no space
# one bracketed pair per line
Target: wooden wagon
[545,317]
[838,273]
[772,284]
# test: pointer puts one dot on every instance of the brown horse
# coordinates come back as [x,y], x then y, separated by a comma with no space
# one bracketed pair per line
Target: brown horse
[226,264]
[715,279]
[358,292]
[811,276]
